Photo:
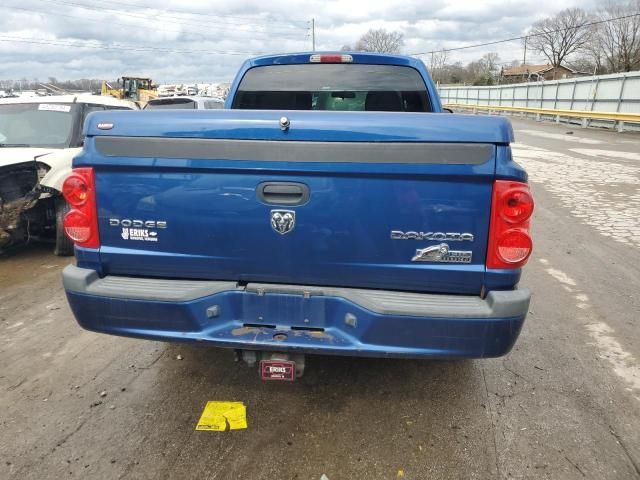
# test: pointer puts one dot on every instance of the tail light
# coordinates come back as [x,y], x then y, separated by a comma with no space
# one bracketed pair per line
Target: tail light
[331,58]
[509,240]
[81,223]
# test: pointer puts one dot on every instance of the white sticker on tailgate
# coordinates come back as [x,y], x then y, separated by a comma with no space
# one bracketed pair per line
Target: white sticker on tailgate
[52,107]
[139,234]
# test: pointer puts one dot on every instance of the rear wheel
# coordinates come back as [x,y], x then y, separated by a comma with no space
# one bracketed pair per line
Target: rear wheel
[64,245]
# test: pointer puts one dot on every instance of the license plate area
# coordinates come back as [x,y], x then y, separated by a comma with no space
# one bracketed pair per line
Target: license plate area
[282,370]
[291,309]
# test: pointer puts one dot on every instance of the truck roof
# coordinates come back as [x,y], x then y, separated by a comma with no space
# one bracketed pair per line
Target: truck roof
[73,98]
[358,57]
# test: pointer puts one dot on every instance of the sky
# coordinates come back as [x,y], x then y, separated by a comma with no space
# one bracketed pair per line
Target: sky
[207,40]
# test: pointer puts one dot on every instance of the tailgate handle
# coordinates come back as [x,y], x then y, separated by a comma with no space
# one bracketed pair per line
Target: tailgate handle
[283,193]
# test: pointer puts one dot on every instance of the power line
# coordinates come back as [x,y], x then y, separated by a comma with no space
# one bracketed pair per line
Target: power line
[111,46]
[238,17]
[296,37]
[146,17]
[525,36]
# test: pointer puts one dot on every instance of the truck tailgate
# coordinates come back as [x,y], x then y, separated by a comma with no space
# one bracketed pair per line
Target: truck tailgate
[243,200]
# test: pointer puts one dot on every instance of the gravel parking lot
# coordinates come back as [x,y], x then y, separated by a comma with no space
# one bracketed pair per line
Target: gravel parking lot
[564,404]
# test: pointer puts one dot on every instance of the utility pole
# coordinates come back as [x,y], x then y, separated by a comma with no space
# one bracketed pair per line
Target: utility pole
[313,34]
[524,58]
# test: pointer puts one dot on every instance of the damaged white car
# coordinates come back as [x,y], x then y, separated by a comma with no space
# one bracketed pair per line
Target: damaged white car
[38,139]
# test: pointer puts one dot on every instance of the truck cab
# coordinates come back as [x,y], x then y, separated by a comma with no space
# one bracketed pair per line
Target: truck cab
[332,207]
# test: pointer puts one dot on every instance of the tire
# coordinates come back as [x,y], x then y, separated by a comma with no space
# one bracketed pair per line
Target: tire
[64,245]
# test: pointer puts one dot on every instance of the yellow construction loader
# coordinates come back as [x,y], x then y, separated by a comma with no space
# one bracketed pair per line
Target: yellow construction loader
[136,89]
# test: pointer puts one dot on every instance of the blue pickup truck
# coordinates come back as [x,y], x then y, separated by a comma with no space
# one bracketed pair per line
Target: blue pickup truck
[332,207]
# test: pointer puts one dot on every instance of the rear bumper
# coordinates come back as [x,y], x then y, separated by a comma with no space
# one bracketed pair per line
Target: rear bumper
[323,320]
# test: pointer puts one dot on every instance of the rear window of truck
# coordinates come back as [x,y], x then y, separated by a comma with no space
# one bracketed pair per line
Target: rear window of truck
[337,87]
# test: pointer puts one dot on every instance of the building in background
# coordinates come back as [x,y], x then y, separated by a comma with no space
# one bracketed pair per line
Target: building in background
[534,73]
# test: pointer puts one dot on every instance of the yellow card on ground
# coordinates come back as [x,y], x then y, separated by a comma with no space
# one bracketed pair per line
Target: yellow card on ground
[222,416]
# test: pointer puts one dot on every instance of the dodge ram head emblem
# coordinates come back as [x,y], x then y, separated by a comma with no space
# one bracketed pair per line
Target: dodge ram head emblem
[283,221]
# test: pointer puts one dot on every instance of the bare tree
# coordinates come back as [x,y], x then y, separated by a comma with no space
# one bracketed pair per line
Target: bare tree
[491,62]
[380,40]
[587,63]
[593,54]
[561,36]
[618,41]
[437,61]
[452,73]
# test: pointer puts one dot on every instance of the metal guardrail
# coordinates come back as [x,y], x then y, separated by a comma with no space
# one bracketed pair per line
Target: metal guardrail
[619,117]
[617,92]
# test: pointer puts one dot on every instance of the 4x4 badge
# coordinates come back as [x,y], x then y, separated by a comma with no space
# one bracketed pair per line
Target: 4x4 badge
[441,253]
[283,221]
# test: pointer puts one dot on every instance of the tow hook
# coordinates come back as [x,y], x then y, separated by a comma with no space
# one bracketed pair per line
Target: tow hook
[274,365]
